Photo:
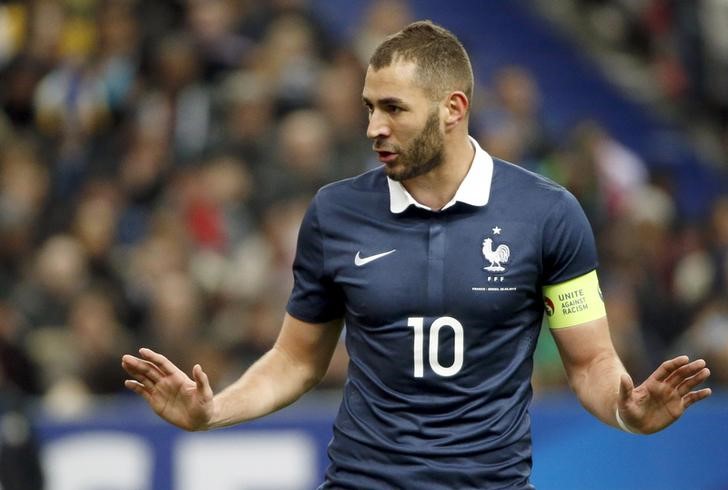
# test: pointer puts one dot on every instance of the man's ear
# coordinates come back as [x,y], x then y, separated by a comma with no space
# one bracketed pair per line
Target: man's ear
[456,107]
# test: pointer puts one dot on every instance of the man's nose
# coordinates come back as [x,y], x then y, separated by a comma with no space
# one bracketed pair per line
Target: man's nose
[378,127]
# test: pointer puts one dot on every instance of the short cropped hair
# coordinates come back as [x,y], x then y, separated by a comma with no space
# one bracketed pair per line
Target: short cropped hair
[442,63]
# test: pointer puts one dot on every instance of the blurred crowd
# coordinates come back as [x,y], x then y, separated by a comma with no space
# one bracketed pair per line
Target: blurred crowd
[683,48]
[156,159]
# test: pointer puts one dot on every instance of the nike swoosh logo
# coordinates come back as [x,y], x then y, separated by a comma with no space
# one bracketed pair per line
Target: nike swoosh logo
[360,261]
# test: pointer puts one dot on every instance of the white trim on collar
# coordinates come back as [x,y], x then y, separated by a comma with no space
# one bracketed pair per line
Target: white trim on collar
[473,190]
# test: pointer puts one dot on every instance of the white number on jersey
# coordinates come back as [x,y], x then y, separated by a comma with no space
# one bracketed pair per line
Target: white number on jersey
[418,323]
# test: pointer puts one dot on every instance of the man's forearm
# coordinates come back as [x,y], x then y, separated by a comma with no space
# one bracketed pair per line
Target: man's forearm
[597,386]
[592,366]
[274,381]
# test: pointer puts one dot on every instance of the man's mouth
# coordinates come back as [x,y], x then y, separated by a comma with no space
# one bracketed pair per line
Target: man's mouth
[386,156]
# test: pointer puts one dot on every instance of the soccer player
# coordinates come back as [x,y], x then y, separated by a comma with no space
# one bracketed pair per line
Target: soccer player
[440,263]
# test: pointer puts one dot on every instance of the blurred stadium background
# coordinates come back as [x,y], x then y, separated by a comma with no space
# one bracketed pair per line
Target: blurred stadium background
[156,158]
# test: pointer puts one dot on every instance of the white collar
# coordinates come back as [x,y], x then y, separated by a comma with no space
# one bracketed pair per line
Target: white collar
[473,190]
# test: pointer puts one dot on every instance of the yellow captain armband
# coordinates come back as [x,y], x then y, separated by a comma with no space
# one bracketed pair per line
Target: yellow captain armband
[574,301]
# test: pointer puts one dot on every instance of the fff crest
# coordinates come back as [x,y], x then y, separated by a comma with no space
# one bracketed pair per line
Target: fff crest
[496,257]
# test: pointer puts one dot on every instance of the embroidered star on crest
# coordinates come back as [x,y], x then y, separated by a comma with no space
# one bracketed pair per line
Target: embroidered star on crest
[497,230]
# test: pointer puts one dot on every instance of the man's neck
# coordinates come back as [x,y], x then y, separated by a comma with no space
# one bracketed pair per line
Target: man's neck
[437,187]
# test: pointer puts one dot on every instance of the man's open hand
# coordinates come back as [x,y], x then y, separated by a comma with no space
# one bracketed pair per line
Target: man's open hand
[664,396]
[174,396]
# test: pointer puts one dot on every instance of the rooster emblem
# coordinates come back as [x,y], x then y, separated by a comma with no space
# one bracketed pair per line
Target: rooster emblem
[495,257]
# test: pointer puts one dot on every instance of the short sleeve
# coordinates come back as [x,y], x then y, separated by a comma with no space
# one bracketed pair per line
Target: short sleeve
[315,297]
[569,249]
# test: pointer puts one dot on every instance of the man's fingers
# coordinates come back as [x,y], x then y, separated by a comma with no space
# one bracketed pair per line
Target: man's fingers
[685,372]
[143,380]
[135,366]
[165,365]
[202,381]
[134,386]
[137,388]
[693,381]
[625,388]
[696,396]
[667,367]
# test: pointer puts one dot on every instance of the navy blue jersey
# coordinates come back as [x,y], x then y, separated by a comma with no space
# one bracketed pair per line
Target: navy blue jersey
[442,313]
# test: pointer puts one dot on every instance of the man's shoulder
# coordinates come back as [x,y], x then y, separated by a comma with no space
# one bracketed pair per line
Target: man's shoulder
[512,179]
[516,174]
[362,186]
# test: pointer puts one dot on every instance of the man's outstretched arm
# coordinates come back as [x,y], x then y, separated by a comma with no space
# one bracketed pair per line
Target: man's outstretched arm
[604,387]
[295,364]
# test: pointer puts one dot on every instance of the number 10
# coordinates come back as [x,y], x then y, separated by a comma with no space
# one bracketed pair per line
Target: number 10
[418,323]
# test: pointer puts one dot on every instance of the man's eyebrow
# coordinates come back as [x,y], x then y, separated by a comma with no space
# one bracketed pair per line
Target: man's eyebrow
[384,101]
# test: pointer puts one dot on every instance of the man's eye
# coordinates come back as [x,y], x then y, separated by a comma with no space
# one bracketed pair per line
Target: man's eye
[394,109]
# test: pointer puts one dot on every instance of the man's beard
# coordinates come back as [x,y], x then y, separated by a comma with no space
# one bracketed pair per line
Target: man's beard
[422,155]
